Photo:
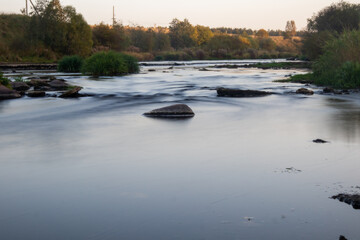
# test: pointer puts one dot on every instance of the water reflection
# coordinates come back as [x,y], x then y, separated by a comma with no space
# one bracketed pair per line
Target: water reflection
[344,122]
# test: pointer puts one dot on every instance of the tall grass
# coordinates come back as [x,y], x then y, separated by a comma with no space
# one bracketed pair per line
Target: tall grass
[70,64]
[339,66]
[110,64]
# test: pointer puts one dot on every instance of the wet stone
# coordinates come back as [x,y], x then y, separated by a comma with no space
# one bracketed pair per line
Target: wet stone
[72,93]
[36,94]
[20,86]
[229,92]
[173,111]
[353,200]
[6,93]
[320,141]
[304,91]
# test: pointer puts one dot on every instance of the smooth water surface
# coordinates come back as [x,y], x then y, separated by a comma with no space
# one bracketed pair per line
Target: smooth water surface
[96,168]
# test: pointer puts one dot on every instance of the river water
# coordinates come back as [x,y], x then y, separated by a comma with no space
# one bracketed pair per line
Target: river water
[96,168]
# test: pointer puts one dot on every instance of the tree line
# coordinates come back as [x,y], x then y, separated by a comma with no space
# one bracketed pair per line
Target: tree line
[52,31]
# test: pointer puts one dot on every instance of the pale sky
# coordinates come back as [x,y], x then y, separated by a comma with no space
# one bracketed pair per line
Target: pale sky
[255,14]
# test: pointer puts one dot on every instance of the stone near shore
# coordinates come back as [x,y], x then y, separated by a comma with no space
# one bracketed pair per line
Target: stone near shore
[6,93]
[36,94]
[20,86]
[72,93]
[229,92]
[173,111]
[304,91]
[353,200]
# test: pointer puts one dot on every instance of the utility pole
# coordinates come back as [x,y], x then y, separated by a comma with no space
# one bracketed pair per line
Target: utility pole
[114,21]
[26,9]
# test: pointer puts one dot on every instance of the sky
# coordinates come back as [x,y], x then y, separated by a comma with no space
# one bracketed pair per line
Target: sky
[254,14]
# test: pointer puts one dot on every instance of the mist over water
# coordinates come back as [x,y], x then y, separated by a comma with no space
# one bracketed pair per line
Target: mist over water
[242,168]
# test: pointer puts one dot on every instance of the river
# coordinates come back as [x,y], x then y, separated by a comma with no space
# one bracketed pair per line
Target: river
[242,168]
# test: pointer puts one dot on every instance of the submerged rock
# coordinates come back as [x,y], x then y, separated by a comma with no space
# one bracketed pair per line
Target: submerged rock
[229,92]
[353,200]
[72,93]
[319,141]
[304,91]
[342,238]
[173,111]
[20,86]
[36,94]
[6,93]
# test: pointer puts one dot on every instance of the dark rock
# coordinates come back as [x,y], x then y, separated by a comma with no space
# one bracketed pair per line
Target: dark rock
[44,88]
[304,91]
[353,200]
[342,238]
[72,93]
[58,85]
[173,111]
[319,141]
[36,94]
[204,69]
[331,90]
[151,70]
[228,92]
[39,82]
[20,86]
[6,93]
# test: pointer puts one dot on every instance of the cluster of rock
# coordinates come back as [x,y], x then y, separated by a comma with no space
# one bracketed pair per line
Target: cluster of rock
[38,87]
[353,200]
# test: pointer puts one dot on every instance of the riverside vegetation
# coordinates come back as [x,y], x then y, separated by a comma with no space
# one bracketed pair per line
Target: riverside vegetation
[52,31]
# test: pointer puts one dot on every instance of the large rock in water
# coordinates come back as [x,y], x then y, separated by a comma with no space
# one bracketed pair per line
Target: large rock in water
[229,92]
[20,86]
[58,84]
[73,93]
[173,111]
[36,94]
[6,93]
[304,91]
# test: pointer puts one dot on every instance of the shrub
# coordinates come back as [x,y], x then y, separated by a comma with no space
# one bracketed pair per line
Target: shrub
[4,81]
[339,66]
[70,64]
[109,64]
[132,63]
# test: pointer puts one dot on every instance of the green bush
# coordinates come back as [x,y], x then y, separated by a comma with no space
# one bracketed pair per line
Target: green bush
[110,64]
[132,63]
[4,81]
[339,66]
[70,64]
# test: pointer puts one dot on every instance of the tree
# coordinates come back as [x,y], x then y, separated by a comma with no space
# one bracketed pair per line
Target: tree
[182,34]
[113,37]
[330,22]
[262,33]
[60,28]
[336,18]
[203,34]
[290,29]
